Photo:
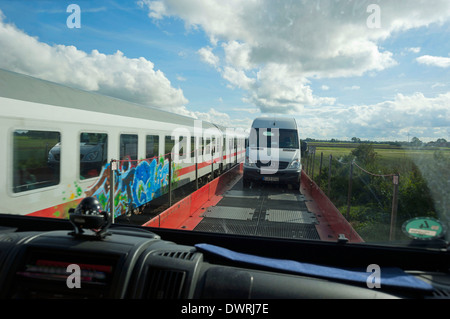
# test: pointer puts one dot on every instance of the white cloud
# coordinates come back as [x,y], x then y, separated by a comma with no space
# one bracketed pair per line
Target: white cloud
[434,61]
[114,74]
[215,116]
[208,56]
[438,84]
[297,41]
[414,50]
[427,117]
[248,110]
[238,78]
[238,55]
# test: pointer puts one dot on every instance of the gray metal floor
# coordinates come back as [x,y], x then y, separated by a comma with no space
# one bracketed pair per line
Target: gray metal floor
[262,210]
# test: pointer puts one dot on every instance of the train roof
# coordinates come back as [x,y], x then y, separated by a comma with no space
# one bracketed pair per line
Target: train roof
[275,122]
[27,88]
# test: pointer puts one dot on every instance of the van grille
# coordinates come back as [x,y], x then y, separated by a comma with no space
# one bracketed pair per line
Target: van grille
[281,165]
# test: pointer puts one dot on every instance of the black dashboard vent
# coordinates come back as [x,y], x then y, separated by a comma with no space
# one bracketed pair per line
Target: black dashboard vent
[165,284]
[185,255]
[441,293]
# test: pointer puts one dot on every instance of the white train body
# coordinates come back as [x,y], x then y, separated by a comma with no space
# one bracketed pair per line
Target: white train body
[58,144]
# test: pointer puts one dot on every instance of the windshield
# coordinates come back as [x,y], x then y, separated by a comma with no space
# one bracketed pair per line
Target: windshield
[143,103]
[273,138]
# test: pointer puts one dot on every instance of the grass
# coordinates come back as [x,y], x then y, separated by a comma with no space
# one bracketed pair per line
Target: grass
[393,158]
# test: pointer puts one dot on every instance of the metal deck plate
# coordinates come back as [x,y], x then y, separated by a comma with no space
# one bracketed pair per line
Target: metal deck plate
[238,213]
[287,196]
[241,194]
[290,216]
[285,205]
[258,228]
[240,202]
[227,226]
[288,230]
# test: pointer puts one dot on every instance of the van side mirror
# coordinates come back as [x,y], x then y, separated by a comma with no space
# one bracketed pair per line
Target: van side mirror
[303,147]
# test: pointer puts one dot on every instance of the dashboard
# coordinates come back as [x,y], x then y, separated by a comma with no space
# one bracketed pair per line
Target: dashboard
[140,263]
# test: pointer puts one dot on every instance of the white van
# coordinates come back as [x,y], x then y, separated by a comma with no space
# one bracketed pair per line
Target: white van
[273,152]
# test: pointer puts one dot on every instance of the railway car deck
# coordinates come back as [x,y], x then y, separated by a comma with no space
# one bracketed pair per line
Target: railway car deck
[264,210]
[269,210]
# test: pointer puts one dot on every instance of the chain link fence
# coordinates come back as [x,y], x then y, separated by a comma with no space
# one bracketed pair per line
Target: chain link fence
[367,199]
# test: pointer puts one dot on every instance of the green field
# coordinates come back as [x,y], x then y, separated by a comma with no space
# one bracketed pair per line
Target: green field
[393,159]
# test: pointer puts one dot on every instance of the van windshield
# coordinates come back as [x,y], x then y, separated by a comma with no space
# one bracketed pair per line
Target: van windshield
[273,138]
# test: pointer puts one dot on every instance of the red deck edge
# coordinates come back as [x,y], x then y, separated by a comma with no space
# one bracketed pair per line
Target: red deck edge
[185,214]
[331,221]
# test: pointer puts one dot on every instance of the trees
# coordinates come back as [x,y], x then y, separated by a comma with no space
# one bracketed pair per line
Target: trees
[416,142]
[365,154]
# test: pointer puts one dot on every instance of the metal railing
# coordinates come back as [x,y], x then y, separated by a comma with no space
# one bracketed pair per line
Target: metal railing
[326,186]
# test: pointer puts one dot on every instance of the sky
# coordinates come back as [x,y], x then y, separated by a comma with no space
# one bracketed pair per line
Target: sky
[376,70]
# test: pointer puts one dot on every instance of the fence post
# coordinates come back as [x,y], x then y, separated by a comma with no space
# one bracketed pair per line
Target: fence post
[170,179]
[313,162]
[308,166]
[306,161]
[394,207]
[196,168]
[329,176]
[349,190]
[112,169]
[236,150]
[212,161]
[320,168]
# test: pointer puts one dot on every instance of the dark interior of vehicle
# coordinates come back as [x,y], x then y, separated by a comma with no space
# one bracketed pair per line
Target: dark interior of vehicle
[132,262]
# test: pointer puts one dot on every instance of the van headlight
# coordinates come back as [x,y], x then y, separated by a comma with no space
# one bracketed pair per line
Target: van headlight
[248,163]
[295,164]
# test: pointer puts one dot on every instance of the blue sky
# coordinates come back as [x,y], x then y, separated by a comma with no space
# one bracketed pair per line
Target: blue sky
[230,61]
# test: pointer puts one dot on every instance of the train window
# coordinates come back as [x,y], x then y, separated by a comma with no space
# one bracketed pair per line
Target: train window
[192,146]
[93,154]
[169,143]
[36,159]
[207,146]
[152,146]
[128,146]
[182,146]
[202,146]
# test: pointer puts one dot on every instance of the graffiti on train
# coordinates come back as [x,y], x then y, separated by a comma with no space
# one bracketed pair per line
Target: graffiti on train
[135,183]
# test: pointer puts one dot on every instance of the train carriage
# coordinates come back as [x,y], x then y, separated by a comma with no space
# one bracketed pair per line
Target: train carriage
[59,145]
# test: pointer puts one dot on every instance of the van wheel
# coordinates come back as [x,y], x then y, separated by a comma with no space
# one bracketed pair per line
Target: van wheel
[245,183]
